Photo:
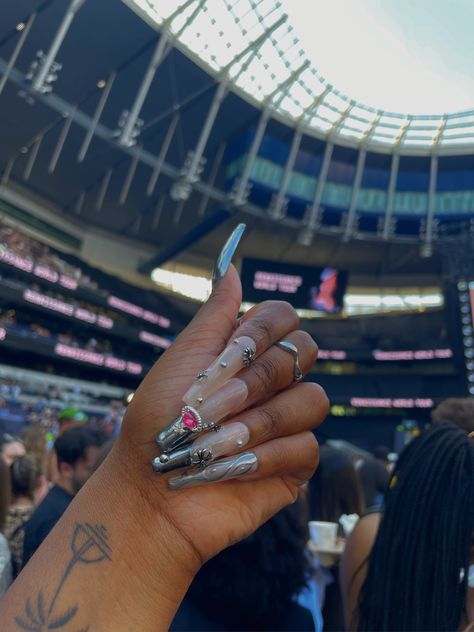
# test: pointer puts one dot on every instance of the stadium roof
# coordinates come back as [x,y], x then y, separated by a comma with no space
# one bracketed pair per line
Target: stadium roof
[253,46]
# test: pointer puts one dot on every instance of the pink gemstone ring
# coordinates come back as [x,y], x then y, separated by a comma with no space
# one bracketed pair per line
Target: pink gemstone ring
[182,429]
[190,419]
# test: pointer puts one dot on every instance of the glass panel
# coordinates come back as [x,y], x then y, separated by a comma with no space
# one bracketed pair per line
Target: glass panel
[337,195]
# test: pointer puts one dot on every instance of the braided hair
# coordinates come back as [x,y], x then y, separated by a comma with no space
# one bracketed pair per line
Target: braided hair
[418,567]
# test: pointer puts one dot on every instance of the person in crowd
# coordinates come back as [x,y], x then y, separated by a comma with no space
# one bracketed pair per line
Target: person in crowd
[27,477]
[76,450]
[334,490]
[67,418]
[5,556]
[127,548]
[35,442]
[253,585]
[374,477]
[457,410]
[11,448]
[410,567]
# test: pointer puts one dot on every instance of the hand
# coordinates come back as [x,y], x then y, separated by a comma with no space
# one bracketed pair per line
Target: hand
[203,520]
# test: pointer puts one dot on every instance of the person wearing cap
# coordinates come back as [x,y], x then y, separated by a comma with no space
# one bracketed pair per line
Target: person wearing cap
[67,418]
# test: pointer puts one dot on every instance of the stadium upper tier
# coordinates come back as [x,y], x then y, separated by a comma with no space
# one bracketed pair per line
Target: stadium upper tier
[252,46]
[164,130]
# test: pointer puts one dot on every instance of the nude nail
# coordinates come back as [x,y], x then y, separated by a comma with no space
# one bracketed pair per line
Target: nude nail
[208,447]
[224,401]
[222,470]
[239,353]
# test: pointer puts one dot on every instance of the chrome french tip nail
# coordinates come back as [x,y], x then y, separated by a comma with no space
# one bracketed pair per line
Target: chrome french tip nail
[227,252]
[217,471]
[207,448]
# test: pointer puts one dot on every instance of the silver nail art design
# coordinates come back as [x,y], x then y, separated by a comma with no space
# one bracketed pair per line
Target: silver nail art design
[206,448]
[202,375]
[222,470]
[226,254]
[248,356]
[182,458]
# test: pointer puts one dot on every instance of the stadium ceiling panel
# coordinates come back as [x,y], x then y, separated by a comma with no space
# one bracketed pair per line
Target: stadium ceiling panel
[252,45]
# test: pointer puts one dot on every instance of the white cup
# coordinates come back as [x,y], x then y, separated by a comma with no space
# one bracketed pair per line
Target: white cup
[323,534]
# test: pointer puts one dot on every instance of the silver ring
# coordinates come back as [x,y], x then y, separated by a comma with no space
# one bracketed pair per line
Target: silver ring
[182,430]
[289,347]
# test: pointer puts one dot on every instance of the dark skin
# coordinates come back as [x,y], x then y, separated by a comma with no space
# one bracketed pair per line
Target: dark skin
[145,542]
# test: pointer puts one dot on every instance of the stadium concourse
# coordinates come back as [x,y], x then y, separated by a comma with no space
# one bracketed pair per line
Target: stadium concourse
[134,136]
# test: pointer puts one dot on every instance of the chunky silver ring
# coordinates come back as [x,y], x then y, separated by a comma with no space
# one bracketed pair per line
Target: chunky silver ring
[289,347]
[182,430]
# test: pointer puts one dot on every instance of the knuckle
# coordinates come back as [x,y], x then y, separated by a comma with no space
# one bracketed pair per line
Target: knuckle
[262,331]
[266,374]
[269,423]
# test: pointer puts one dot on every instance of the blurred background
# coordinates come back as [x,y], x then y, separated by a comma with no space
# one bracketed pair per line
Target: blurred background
[133,137]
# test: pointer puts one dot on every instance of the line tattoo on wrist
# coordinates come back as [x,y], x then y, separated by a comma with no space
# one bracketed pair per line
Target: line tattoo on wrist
[89,545]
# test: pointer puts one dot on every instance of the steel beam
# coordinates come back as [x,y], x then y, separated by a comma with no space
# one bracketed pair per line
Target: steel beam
[162,155]
[73,8]
[431,199]
[128,180]
[277,207]
[212,178]
[17,50]
[355,192]
[126,137]
[103,189]
[60,144]
[314,209]
[97,114]
[32,158]
[391,196]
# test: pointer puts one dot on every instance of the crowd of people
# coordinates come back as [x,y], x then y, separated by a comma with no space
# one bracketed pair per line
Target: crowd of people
[412,545]
[22,245]
[26,405]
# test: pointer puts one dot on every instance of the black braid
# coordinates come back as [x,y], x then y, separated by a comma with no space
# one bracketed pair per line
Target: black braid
[424,539]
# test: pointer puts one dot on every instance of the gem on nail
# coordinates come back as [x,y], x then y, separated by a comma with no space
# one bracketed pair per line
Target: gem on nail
[224,365]
[201,375]
[190,419]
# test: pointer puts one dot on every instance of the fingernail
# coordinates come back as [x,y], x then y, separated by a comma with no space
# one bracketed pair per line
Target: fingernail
[239,353]
[208,447]
[224,401]
[226,254]
[195,419]
[223,470]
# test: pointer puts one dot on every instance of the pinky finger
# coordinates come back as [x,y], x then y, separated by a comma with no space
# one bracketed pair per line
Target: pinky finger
[293,459]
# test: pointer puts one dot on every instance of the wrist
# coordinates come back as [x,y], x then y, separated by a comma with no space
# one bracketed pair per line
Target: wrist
[155,559]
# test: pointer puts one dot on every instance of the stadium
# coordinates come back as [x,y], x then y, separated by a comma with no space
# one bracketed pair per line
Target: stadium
[136,134]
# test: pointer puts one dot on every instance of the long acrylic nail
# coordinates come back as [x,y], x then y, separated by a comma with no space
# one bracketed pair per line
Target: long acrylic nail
[222,470]
[239,353]
[224,401]
[226,254]
[206,448]
[195,419]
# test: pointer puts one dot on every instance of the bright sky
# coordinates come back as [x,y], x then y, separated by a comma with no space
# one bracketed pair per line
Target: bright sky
[410,56]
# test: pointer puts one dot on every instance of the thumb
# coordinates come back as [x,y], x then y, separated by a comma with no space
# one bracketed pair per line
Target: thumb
[214,323]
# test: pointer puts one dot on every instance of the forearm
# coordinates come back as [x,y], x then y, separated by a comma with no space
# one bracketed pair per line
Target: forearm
[113,562]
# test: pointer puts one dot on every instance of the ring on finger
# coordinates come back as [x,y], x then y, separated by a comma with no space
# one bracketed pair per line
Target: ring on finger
[292,349]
